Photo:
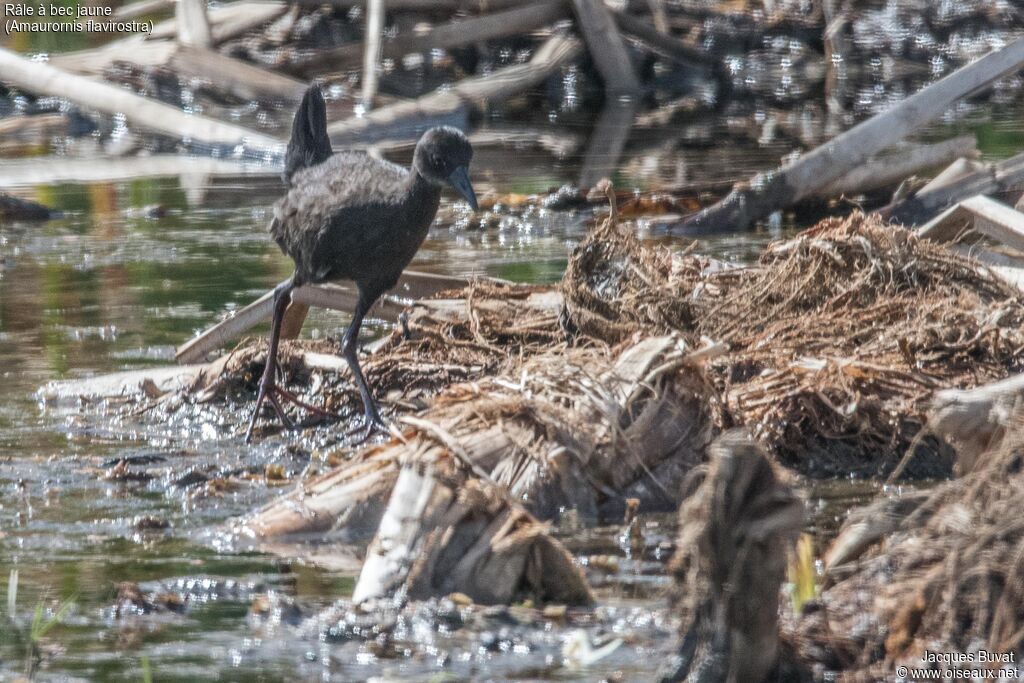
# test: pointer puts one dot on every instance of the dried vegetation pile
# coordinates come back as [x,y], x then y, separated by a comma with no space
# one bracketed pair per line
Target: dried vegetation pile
[947,579]
[837,338]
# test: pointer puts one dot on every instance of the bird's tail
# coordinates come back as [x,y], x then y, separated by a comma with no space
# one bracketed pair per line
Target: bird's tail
[309,144]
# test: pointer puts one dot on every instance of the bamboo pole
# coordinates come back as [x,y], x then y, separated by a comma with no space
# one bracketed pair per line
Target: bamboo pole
[766,193]
[44,79]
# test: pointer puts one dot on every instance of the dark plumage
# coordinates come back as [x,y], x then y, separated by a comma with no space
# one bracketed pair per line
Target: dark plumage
[348,216]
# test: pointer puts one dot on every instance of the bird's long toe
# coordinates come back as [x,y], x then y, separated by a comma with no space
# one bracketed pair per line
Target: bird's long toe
[367,425]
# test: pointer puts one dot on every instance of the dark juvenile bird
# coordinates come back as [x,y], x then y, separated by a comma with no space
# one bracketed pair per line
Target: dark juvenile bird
[348,216]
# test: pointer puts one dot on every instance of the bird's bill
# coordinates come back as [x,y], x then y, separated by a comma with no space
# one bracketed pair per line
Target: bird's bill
[459,179]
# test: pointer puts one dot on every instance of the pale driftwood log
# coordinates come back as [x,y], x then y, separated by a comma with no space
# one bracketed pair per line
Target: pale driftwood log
[193,25]
[470,92]
[975,420]
[802,178]
[48,170]
[371,51]
[338,296]
[867,526]
[955,171]
[515,21]
[996,178]
[606,48]
[241,79]
[892,168]
[120,384]
[20,132]
[1008,268]
[446,532]
[44,79]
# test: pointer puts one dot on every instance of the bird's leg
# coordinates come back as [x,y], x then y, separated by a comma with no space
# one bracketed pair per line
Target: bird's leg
[372,421]
[282,297]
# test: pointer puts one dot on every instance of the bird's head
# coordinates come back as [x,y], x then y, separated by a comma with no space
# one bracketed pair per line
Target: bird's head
[442,157]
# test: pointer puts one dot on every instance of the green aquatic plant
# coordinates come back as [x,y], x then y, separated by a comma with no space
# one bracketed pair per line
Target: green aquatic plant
[31,638]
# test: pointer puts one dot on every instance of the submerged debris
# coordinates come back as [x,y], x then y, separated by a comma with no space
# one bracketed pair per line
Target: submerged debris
[18,209]
[735,531]
[946,580]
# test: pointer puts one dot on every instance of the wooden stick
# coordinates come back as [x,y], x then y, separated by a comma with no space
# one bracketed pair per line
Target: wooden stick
[44,79]
[960,168]
[49,170]
[337,296]
[765,194]
[607,48]
[229,21]
[666,44]
[890,169]
[453,34]
[987,216]
[467,93]
[193,25]
[241,79]
[156,48]
[990,179]
[371,53]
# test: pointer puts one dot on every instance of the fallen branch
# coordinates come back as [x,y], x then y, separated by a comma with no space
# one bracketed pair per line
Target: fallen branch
[454,34]
[50,170]
[891,169]
[766,193]
[987,216]
[470,92]
[44,79]
[990,179]
[337,296]
[664,43]
[226,22]
[193,24]
[241,79]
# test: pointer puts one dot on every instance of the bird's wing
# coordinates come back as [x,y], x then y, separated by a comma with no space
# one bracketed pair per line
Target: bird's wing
[333,212]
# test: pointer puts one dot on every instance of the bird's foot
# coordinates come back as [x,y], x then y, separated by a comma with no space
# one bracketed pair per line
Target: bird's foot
[368,425]
[274,394]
